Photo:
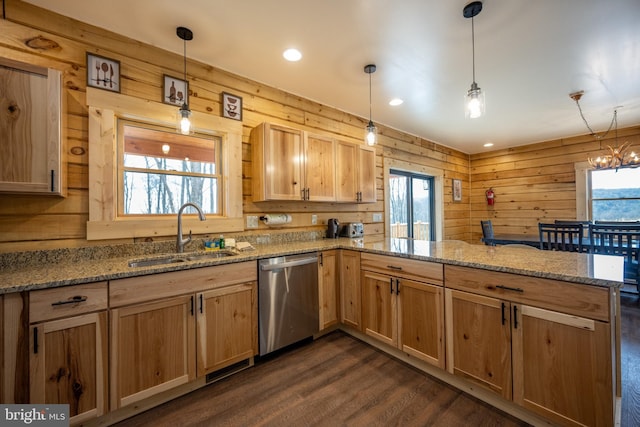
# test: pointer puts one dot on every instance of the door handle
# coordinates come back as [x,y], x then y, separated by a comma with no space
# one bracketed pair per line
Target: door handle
[504,319]
[391,285]
[35,340]
[73,300]
[508,288]
[201,303]
[397,286]
[515,317]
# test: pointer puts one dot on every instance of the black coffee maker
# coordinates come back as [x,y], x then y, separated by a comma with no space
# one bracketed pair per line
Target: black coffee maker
[333,228]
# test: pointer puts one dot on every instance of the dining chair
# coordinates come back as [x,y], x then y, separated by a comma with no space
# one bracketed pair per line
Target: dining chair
[622,240]
[487,233]
[562,237]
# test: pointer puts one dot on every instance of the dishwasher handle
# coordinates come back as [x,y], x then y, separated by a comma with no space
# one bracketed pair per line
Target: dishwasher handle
[294,263]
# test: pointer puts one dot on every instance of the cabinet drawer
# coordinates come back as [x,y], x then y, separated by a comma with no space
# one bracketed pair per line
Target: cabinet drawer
[67,301]
[571,298]
[134,290]
[403,267]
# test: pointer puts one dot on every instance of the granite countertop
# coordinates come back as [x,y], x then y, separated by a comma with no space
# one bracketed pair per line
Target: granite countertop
[45,269]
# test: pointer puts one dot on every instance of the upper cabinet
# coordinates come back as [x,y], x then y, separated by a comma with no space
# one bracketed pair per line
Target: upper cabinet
[356,165]
[277,163]
[290,164]
[30,129]
[320,168]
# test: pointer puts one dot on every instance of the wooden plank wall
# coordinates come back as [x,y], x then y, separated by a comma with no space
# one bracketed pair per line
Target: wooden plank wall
[37,222]
[533,183]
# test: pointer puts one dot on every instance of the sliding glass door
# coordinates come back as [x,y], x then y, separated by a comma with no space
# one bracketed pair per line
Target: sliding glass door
[411,205]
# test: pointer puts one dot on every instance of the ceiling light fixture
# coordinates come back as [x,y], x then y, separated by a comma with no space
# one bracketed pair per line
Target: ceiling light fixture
[371,132]
[474,99]
[184,113]
[395,102]
[618,156]
[292,55]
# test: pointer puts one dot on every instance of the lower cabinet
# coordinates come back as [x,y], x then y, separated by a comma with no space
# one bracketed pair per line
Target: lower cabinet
[164,343]
[226,326]
[68,349]
[152,348]
[350,292]
[328,288]
[556,364]
[403,312]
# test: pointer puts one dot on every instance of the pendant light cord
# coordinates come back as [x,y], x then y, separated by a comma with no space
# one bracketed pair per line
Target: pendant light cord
[473,51]
[185,66]
[370,97]
[614,120]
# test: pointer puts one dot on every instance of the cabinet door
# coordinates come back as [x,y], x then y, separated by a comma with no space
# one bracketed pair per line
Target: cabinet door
[152,348]
[346,172]
[31,131]
[567,355]
[328,288]
[283,157]
[320,168]
[69,364]
[350,296]
[367,174]
[379,319]
[479,340]
[227,326]
[421,321]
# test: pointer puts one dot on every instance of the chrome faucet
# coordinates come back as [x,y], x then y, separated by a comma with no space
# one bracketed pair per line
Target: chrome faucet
[180,242]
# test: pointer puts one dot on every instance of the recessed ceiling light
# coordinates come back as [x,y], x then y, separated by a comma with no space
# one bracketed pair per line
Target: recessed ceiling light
[395,101]
[488,144]
[292,55]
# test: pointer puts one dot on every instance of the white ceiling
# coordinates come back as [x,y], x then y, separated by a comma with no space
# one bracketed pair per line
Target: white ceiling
[529,56]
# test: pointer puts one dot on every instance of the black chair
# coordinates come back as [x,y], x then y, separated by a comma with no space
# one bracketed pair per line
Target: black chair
[622,240]
[487,233]
[585,225]
[562,237]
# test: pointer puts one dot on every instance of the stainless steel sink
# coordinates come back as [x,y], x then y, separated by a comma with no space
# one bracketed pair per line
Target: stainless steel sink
[175,259]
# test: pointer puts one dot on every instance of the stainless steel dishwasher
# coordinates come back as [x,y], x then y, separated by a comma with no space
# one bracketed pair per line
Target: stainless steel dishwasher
[287,300]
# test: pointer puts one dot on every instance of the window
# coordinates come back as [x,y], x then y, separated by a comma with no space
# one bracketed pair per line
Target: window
[411,205]
[615,196]
[160,170]
[142,205]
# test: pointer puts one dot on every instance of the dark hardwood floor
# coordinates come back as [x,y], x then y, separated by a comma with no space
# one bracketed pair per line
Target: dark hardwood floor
[630,308]
[338,380]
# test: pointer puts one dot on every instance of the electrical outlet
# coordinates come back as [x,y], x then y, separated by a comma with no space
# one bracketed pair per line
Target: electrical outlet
[377,217]
[314,219]
[252,221]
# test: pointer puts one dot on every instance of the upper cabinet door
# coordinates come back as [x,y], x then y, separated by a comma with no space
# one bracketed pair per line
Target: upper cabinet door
[277,163]
[347,172]
[367,174]
[320,168]
[30,130]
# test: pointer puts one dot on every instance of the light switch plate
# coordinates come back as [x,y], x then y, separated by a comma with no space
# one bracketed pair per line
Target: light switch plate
[314,219]
[377,217]
[252,221]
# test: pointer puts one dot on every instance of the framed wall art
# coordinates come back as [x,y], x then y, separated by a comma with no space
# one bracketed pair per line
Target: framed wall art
[103,73]
[457,190]
[231,106]
[175,91]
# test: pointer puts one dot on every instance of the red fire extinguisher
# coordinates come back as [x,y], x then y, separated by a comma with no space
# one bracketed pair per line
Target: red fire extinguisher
[490,196]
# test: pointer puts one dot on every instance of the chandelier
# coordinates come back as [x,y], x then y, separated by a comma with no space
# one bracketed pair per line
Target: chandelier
[619,156]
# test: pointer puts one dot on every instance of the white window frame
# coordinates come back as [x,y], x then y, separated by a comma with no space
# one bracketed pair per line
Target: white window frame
[104,223]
